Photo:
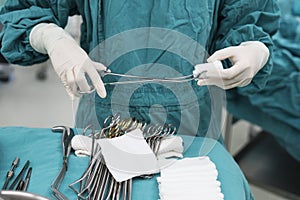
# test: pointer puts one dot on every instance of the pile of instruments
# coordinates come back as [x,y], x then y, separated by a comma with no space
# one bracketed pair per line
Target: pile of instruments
[97,182]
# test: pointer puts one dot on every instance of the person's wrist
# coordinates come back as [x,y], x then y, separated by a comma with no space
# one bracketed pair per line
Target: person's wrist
[44,37]
[259,45]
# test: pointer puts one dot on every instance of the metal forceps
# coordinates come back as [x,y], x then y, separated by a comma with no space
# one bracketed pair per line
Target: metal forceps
[144,79]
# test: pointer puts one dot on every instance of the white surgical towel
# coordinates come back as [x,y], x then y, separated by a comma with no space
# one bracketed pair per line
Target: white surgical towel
[82,145]
[190,178]
[128,156]
[171,146]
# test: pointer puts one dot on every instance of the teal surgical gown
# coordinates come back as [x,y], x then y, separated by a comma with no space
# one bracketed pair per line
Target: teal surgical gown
[165,27]
[280,99]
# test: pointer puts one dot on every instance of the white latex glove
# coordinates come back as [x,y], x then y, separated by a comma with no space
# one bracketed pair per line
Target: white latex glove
[247,59]
[69,60]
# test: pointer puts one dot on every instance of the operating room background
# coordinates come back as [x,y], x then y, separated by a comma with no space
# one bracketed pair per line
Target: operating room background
[27,101]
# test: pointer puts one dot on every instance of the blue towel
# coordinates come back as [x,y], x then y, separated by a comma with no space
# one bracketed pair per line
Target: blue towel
[43,149]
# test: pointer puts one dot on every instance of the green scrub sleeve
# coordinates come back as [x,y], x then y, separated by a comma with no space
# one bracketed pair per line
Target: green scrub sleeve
[18,17]
[248,20]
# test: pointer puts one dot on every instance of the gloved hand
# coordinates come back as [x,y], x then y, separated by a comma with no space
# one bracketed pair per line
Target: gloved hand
[247,59]
[70,62]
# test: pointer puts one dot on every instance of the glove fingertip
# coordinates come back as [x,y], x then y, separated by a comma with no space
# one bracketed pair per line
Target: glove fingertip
[195,72]
[100,66]
[101,91]
[101,94]
[200,82]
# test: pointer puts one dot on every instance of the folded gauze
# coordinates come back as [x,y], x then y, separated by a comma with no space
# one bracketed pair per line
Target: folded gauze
[190,178]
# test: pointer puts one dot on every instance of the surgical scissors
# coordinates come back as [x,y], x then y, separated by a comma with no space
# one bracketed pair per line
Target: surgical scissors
[143,79]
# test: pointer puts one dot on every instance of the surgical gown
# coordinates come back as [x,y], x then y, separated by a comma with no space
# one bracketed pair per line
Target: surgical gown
[212,24]
[280,99]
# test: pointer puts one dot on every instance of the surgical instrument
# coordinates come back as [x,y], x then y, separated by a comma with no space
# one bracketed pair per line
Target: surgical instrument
[20,195]
[67,135]
[19,176]
[143,79]
[10,173]
[97,182]
[27,179]
[23,184]
[20,185]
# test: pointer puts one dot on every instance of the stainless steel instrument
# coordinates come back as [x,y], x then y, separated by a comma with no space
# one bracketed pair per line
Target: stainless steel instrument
[143,79]
[17,195]
[67,135]
[97,182]
[10,173]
